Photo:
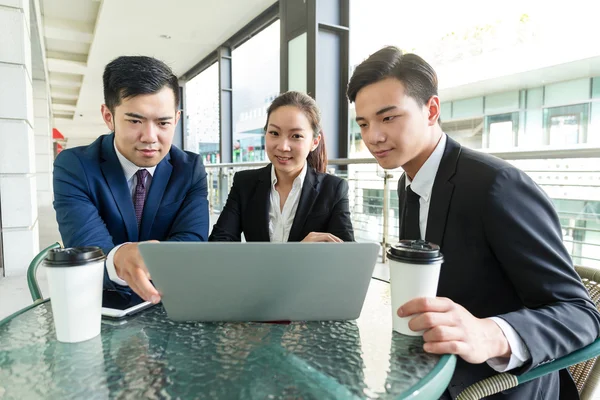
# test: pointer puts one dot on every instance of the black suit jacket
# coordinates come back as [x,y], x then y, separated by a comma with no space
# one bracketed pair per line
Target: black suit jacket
[503,256]
[323,207]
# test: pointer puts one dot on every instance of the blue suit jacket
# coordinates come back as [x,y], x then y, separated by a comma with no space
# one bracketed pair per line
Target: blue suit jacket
[94,206]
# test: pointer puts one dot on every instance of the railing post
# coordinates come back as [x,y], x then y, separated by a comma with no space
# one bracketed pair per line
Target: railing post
[222,187]
[386,207]
[230,174]
[210,191]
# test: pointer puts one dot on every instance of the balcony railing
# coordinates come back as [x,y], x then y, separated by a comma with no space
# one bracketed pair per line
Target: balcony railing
[571,178]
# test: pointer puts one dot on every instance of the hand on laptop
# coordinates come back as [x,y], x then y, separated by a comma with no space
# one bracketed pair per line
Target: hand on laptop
[130,267]
[322,237]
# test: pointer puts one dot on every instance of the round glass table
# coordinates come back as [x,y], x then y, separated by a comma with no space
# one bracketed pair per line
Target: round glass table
[148,356]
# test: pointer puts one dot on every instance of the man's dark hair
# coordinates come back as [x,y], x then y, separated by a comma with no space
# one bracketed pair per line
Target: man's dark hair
[130,76]
[419,78]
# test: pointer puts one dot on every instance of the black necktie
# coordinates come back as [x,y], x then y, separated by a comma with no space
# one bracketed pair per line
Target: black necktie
[411,216]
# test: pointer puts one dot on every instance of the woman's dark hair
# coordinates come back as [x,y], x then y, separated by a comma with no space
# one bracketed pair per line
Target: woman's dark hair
[130,76]
[317,158]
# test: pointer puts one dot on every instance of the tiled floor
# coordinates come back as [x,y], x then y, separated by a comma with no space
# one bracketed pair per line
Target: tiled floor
[14,293]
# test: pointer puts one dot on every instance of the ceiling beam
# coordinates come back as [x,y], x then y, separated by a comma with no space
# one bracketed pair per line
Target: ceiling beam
[68,30]
[63,107]
[64,94]
[66,66]
[65,83]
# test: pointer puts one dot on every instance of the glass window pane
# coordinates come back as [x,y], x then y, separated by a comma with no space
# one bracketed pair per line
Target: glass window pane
[593,135]
[566,125]
[569,92]
[535,98]
[502,102]
[202,116]
[255,73]
[467,108]
[468,132]
[533,135]
[596,88]
[297,65]
[502,130]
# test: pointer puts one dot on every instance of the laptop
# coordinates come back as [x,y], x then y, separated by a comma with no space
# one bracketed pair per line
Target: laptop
[220,281]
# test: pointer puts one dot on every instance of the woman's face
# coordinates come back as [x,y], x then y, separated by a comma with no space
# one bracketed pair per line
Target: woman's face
[289,139]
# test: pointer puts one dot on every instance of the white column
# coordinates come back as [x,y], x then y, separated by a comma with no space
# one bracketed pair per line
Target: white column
[18,199]
[44,152]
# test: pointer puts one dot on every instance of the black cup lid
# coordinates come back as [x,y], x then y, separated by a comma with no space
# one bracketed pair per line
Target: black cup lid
[416,252]
[73,256]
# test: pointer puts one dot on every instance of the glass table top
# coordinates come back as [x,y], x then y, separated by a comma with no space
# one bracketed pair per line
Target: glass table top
[149,356]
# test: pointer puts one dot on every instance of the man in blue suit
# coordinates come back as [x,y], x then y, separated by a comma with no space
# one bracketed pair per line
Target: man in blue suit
[131,185]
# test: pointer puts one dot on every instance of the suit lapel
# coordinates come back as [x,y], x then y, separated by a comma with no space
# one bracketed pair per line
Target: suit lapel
[115,179]
[442,193]
[261,201]
[162,175]
[307,200]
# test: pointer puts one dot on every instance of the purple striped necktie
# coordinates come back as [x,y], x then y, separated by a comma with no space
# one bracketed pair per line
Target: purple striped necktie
[139,196]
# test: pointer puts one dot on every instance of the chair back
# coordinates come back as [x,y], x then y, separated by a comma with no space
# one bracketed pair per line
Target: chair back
[34,288]
[587,374]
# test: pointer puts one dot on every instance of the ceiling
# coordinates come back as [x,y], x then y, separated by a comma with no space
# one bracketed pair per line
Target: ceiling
[82,36]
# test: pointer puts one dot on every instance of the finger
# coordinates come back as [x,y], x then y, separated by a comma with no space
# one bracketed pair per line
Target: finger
[430,320]
[443,334]
[138,260]
[309,237]
[451,347]
[335,238]
[425,304]
[142,286]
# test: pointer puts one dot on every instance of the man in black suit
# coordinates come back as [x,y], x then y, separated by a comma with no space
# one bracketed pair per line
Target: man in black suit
[509,297]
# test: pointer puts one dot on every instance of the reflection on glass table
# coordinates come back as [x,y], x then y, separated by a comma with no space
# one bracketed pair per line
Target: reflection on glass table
[150,356]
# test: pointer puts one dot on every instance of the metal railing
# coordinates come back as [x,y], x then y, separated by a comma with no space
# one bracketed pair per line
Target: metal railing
[373,196]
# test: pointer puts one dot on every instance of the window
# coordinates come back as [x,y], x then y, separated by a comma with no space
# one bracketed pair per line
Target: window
[202,125]
[501,130]
[566,125]
[468,132]
[255,71]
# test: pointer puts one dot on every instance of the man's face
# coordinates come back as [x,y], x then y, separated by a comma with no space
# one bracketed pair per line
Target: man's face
[392,124]
[144,126]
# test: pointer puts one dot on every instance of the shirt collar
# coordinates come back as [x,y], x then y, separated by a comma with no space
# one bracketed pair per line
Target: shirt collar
[130,168]
[298,182]
[423,182]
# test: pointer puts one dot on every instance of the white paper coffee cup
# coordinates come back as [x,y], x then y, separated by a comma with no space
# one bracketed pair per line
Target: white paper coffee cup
[75,281]
[414,272]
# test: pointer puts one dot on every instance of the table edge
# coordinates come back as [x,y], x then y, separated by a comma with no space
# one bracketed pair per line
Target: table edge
[439,376]
[430,383]
[23,311]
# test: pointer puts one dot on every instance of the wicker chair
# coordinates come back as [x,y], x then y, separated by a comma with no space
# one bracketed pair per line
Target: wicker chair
[581,363]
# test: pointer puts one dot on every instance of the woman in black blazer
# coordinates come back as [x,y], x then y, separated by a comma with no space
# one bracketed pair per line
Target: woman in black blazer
[292,199]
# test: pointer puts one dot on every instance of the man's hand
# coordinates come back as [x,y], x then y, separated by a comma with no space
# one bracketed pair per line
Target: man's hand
[130,267]
[322,237]
[451,329]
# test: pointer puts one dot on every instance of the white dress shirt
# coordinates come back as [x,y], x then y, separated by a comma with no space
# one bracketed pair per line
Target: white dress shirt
[422,184]
[130,170]
[281,220]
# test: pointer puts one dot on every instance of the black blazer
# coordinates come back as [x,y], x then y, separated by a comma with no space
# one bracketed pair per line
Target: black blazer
[504,256]
[323,207]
